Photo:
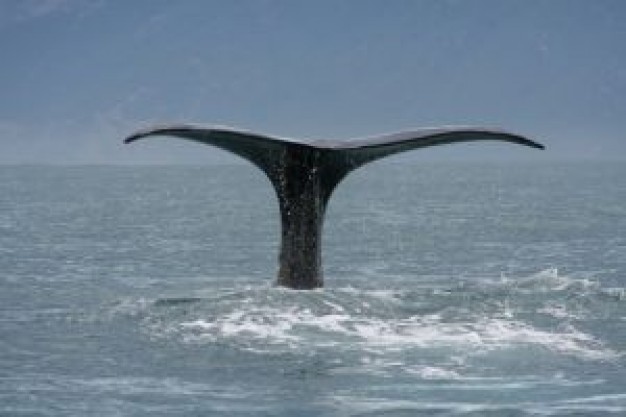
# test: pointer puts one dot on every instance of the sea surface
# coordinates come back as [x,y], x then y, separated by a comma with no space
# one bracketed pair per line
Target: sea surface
[452,289]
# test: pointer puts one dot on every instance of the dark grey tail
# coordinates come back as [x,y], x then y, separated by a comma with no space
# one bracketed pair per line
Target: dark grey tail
[304,176]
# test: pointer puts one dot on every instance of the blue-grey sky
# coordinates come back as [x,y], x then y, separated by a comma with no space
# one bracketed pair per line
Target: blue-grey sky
[78,75]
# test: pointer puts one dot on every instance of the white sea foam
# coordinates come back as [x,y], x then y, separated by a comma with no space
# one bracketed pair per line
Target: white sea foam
[433,373]
[461,319]
[295,327]
[559,311]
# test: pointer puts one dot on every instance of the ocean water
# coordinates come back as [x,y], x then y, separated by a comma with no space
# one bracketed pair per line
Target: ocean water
[452,289]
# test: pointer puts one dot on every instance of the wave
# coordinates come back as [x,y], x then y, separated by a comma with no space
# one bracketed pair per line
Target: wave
[295,328]
[542,314]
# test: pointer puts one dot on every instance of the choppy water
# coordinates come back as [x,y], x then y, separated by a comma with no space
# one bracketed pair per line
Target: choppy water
[451,289]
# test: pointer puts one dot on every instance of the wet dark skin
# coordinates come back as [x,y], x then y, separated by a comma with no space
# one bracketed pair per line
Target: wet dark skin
[304,175]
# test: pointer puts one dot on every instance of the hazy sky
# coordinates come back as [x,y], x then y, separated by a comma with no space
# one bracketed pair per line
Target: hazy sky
[77,76]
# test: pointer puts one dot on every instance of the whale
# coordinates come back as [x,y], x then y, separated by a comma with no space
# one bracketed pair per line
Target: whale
[304,174]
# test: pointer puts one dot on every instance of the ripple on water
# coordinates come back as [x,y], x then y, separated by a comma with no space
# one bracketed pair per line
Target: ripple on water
[462,318]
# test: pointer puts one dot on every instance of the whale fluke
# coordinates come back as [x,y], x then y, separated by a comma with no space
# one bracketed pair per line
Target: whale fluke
[304,175]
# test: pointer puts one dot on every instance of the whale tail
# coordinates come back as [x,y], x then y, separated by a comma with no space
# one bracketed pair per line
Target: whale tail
[304,175]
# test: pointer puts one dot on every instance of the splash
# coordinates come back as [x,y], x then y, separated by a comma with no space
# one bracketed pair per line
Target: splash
[462,318]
